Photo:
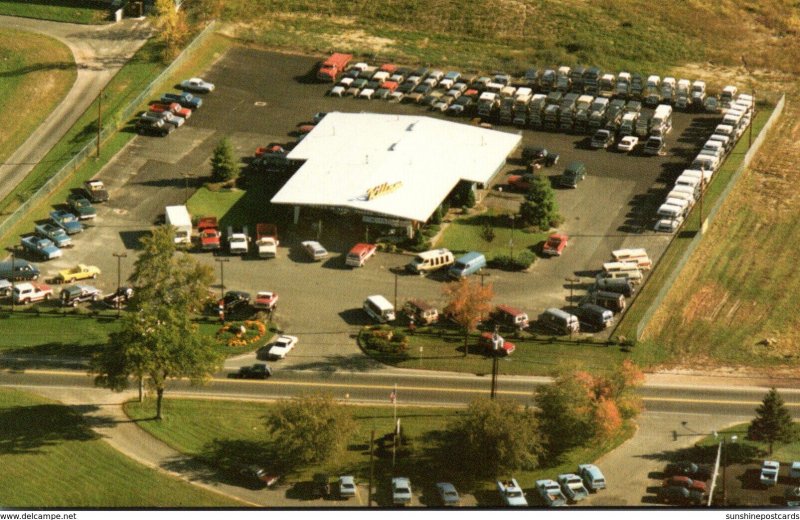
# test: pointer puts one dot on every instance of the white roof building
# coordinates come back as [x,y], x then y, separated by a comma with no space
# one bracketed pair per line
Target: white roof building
[396,166]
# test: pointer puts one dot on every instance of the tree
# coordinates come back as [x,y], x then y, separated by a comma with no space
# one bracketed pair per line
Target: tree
[224,165]
[172,28]
[467,302]
[539,207]
[772,422]
[158,339]
[310,429]
[494,437]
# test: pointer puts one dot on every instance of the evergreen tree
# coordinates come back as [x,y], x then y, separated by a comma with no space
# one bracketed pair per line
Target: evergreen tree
[539,207]
[772,422]
[224,165]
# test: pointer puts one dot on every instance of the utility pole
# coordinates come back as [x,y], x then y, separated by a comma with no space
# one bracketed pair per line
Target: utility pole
[371,467]
[495,351]
[99,119]
[222,262]
[511,240]
[119,257]
[12,281]
[395,290]
[572,281]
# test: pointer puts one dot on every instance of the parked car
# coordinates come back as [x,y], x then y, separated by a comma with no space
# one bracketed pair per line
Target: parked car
[314,250]
[95,191]
[680,496]
[74,294]
[769,473]
[686,482]
[573,487]
[40,247]
[81,207]
[401,491]
[628,143]
[537,155]
[197,85]
[592,477]
[175,108]
[281,346]
[78,272]
[347,486]
[521,182]
[57,235]
[66,221]
[688,469]
[602,139]
[184,98]
[574,173]
[555,244]
[792,496]
[118,298]
[654,146]
[550,493]
[29,292]
[265,300]
[448,494]
[256,371]
[258,476]
[511,494]
[234,300]
[149,127]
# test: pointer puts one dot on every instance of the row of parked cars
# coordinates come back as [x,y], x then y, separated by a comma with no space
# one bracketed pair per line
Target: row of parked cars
[569,488]
[173,109]
[689,186]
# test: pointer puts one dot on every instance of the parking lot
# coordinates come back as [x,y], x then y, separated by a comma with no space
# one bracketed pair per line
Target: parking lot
[260,98]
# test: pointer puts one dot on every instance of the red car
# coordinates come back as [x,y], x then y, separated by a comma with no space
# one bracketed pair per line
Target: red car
[521,182]
[208,231]
[388,67]
[686,482]
[269,149]
[304,129]
[555,244]
[390,85]
[174,108]
[487,342]
[265,300]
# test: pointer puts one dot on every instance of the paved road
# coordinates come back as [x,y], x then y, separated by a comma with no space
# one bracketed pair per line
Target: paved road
[99,52]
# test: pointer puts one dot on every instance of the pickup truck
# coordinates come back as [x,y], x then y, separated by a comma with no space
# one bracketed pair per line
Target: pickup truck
[41,247]
[31,292]
[511,494]
[208,231]
[81,207]
[551,493]
[66,221]
[175,108]
[401,491]
[267,240]
[74,294]
[95,191]
[184,98]
[238,241]
[265,300]
[79,272]
[572,486]
[57,235]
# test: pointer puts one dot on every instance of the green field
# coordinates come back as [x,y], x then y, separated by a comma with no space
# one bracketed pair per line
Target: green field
[231,433]
[72,11]
[443,349]
[467,234]
[32,67]
[51,458]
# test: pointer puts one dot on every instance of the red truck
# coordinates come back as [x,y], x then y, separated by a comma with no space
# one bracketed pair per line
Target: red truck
[333,67]
[208,230]
[267,240]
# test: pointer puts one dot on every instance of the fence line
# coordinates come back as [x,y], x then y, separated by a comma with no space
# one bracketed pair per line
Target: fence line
[748,157]
[113,126]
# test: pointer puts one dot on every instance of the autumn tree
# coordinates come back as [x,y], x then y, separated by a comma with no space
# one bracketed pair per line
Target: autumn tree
[310,429]
[467,302]
[772,422]
[171,26]
[224,165]
[158,339]
[494,437]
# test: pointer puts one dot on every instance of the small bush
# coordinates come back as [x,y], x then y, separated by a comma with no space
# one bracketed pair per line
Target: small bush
[386,340]
[487,232]
[521,261]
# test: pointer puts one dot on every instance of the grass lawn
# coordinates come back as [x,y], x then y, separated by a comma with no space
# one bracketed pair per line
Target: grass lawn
[50,458]
[33,67]
[232,432]
[469,234]
[72,11]
[534,355]
[753,450]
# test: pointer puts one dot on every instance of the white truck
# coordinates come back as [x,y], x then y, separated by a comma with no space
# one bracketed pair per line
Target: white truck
[267,240]
[511,493]
[178,217]
[551,493]
[623,84]
[238,241]
[572,486]
[487,104]
[682,99]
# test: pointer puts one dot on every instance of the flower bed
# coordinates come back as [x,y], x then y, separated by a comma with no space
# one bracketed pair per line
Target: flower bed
[241,333]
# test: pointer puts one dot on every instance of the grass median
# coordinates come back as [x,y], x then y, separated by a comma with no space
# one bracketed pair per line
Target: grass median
[234,432]
[71,11]
[51,458]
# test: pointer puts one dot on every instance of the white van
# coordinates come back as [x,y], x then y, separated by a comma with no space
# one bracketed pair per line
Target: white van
[699,174]
[560,321]
[724,140]
[692,182]
[428,261]
[688,197]
[713,148]
[378,308]
[637,256]
[673,208]
[686,190]
[634,276]
[728,130]
[705,162]
[616,267]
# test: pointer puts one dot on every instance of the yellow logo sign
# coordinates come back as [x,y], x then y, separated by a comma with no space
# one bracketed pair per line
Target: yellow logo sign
[383,189]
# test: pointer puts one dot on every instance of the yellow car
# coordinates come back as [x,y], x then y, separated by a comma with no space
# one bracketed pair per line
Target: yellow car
[79,272]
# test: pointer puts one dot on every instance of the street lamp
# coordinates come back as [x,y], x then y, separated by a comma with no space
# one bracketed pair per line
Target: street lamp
[119,257]
[222,262]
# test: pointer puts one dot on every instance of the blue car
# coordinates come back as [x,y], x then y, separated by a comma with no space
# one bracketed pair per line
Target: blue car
[58,236]
[184,98]
[66,221]
[41,247]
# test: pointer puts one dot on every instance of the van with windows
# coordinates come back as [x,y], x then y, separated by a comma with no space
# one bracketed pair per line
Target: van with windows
[559,321]
[691,181]
[726,130]
[712,147]
[724,140]
[673,208]
[687,190]
[621,286]
[378,308]
[732,119]
[637,255]
[705,162]
[634,276]
[510,317]
[421,312]
[688,197]
[699,174]
[466,265]
[613,301]
[615,267]
[432,260]
[594,316]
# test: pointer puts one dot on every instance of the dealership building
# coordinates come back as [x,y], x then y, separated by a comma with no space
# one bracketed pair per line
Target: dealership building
[394,170]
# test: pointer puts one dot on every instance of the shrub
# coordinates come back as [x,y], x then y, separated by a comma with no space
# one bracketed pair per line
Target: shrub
[384,339]
[224,166]
[521,261]
[487,232]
